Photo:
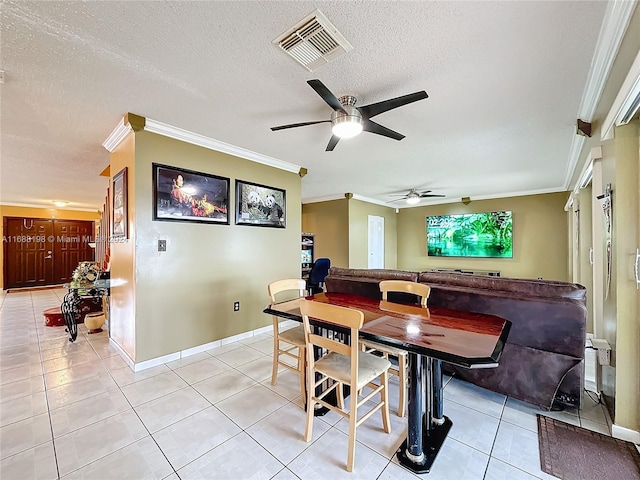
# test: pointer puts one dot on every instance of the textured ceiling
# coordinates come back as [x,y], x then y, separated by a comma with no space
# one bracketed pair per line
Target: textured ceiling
[505,81]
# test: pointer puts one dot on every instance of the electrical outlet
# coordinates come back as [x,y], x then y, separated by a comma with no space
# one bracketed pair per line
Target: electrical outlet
[236,306]
[162,245]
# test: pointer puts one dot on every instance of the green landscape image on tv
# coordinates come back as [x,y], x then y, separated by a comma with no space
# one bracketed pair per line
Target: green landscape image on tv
[487,234]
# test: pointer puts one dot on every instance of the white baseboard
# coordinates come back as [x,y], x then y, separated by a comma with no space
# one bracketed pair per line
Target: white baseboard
[154,362]
[267,329]
[122,353]
[237,338]
[200,348]
[626,434]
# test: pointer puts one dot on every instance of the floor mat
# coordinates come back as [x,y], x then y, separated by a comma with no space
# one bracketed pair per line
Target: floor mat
[574,453]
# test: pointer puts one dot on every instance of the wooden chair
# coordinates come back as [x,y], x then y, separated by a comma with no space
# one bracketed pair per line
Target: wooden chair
[342,365]
[293,337]
[422,291]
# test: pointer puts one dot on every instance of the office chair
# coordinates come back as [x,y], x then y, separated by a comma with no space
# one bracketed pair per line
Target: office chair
[319,270]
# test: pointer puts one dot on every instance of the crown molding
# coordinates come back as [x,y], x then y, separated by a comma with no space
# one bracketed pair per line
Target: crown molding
[371,200]
[492,196]
[46,206]
[439,201]
[176,133]
[574,155]
[118,134]
[614,26]
[625,101]
[328,198]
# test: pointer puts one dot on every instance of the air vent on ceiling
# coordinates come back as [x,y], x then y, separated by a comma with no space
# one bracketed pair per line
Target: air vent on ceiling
[313,42]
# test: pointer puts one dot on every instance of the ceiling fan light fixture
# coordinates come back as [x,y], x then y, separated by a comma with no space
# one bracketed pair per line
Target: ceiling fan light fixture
[347,127]
[413,198]
[347,123]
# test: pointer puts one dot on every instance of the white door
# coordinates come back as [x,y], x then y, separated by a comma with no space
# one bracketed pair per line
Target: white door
[376,242]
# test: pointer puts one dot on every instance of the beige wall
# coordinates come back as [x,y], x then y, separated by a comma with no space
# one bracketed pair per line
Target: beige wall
[626,208]
[585,234]
[184,296]
[608,299]
[32,212]
[539,237]
[329,221]
[122,316]
[359,212]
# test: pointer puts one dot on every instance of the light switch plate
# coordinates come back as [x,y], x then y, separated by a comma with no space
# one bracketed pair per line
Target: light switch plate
[162,245]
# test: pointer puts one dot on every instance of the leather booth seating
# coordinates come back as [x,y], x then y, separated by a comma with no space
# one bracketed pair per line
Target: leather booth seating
[543,360]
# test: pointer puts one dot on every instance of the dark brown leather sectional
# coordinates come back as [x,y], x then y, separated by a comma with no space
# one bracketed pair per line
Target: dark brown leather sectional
[543,360]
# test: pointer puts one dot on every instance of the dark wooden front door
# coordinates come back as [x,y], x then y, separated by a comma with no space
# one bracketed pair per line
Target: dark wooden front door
[40,252]
[71,247]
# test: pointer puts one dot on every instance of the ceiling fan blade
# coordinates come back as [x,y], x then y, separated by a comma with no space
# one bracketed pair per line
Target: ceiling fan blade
[377,108]
[332,143]
[373,127]
[425,191]
[431,195]
[326,95]
[293,125]
[397,199]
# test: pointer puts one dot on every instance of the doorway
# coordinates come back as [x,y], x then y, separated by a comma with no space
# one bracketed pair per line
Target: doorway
[376,242]
[40,251]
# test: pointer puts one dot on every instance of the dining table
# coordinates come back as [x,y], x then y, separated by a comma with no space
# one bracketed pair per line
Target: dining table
[430,336]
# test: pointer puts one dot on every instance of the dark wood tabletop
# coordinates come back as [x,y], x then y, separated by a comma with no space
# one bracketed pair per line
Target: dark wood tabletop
[468,339]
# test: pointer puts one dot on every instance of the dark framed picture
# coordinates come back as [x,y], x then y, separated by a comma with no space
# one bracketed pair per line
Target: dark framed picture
[260,205]
[182,195]
[120,214]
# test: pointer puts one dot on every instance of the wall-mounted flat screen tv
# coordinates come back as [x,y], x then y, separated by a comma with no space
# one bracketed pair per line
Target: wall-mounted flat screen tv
[487,234]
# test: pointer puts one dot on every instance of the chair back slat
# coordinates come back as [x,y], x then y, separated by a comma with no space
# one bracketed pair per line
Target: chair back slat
[420,289]
[341,316]
[332,314]
[285,285]
[330,344]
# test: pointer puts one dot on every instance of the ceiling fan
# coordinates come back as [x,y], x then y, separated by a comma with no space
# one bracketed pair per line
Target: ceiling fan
[348,120]
[413,196]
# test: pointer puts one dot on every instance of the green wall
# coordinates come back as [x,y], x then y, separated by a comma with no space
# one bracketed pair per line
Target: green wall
[184,296]
[539,237]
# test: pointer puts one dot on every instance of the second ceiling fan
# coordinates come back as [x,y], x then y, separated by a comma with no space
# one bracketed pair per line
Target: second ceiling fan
[414,196]
[348,120]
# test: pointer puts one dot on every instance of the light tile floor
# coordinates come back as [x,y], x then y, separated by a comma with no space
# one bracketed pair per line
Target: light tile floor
[76,411]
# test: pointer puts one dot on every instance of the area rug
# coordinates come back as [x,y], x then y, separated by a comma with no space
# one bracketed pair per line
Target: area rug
[573,453]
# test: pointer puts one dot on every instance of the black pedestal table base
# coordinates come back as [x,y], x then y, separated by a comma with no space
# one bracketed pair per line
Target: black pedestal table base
[432,441]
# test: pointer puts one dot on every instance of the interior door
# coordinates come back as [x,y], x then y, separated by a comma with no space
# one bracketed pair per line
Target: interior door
[71,247]
[28,252]
[376,242]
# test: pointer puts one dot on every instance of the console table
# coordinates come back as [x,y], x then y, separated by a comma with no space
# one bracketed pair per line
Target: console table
[72,303]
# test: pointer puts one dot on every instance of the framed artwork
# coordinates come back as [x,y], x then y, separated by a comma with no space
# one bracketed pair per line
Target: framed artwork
[260,205]
[181,195]
[120,214]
